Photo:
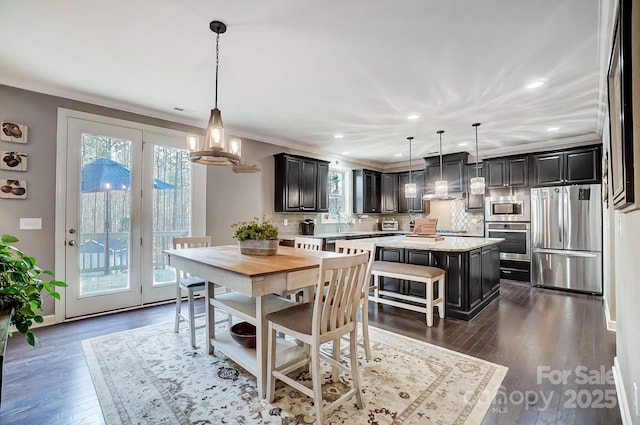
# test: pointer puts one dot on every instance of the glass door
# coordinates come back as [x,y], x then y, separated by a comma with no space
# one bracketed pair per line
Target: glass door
[102,210]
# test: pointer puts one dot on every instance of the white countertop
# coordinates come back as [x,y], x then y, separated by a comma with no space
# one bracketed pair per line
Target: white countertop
[449,244]
[330,235]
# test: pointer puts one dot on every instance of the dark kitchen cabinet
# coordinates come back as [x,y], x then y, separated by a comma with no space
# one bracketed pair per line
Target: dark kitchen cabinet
[411,205]
[300,184]
[507,172]
[576,166]
[490,270]
[453,171]
[367,191]
[473,203]
[389,193]
[475,278]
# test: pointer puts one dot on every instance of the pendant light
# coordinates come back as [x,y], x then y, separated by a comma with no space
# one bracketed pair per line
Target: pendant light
[441,186]
[213,150]
[410,189]
[477,183]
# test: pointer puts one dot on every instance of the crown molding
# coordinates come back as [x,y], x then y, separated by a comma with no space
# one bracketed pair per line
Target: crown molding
[548,145]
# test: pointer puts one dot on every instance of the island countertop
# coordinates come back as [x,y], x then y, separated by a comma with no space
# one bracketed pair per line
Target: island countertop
[449,244]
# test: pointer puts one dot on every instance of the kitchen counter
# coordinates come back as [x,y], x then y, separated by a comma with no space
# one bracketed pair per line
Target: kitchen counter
[344,235]
[449,244]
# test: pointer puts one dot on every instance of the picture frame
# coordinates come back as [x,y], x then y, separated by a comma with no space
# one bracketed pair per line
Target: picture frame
[619,88]
[13,189]
[13,161]
[13,132]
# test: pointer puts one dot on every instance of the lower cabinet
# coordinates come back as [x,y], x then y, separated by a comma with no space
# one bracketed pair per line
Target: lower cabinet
[472,277]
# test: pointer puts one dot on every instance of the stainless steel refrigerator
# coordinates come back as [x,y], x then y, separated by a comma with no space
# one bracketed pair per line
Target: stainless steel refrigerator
[566,237]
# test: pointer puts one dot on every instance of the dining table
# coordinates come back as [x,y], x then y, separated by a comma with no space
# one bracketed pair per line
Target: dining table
[252,283]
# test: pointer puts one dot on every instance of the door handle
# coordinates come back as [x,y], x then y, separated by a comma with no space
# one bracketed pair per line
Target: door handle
[72,243]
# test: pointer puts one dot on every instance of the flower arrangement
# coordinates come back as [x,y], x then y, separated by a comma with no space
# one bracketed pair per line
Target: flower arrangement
[258,229]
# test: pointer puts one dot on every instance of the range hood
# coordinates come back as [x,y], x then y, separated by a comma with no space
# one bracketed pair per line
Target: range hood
[447,197]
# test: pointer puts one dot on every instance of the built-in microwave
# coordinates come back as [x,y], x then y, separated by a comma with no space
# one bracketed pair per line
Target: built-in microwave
[507,208]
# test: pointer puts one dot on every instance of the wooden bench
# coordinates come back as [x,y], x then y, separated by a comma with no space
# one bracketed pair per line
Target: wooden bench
[415,273]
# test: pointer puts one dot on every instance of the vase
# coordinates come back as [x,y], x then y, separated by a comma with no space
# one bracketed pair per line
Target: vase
[259,247]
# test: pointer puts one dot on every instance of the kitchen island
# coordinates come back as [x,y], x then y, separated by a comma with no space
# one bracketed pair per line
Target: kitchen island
[472,267]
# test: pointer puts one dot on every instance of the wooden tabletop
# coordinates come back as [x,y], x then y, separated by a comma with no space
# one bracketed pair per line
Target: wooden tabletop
[228,257]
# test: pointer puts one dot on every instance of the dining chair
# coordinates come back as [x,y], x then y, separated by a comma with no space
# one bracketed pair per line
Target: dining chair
[307,244]
[358,247]
[315,323]
[191,284]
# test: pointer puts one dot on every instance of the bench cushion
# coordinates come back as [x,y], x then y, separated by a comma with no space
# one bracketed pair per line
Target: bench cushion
[406,269]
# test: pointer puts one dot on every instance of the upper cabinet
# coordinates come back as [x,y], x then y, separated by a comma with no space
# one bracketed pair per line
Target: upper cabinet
[507,172]
[389,193]
[367,191]
[411,205]
[575,166]
[473,203]
[453,172]
[301,184]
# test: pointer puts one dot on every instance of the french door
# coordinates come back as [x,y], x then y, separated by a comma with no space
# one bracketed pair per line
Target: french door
[128,193]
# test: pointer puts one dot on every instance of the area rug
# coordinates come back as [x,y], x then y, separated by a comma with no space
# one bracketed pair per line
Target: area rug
[152,375]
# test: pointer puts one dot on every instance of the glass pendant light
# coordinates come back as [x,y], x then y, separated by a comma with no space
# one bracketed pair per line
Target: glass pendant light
[441,186]
[410,189]
[212,150]
[477,183]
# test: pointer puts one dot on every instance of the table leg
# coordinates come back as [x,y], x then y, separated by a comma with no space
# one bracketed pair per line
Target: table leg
[210,315]
[261,345]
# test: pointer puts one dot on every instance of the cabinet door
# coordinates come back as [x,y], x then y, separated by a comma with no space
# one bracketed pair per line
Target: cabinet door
[390,192]
[518,171]
[475,278]
[473,203]
[495,268]
[583,166]
[372,189]
[309,181]
[322,187]
[487,272]
[455,278]
[454,175]
[293,177]
[397,256]
[548,169]
[496,173]
[411,205]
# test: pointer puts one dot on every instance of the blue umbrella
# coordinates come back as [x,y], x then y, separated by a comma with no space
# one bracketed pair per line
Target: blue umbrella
[105,175]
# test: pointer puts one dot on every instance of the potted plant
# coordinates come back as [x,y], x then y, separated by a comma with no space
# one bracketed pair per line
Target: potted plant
[257,237]
[21,287]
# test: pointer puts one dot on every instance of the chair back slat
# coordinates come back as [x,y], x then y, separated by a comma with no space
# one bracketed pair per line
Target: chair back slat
[357,247]
[339,306]
[308,244]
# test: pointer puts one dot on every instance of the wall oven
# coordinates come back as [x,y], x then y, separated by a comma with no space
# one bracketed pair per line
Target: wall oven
[507,208]
[517,239]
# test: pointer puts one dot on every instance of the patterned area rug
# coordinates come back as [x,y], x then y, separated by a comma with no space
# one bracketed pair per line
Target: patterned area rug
[153,376]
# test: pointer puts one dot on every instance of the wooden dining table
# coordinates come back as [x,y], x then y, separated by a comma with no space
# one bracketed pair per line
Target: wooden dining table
[252,282]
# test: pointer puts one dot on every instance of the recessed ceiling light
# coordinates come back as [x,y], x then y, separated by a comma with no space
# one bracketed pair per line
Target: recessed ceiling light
[413,117]
[553,128]
[338,136]
[463,144]
[345,153]
[398,154]
[535,84]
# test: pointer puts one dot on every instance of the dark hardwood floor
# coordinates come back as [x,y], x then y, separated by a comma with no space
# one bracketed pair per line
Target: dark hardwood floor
[525,329]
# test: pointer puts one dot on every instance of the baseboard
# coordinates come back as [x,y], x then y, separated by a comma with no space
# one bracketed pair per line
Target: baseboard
[611,324]
[625,411]
[48,320]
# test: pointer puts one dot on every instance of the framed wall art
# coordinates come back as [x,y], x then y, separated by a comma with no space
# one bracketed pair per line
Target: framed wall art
[621,111]
[14,161]
[13,132]
[13,189]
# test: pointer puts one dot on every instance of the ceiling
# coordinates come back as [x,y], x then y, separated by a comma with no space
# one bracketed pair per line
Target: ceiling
[297,72]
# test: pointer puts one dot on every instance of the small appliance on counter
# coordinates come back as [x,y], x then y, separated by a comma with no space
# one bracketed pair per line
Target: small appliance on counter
[308,226]
[389,225]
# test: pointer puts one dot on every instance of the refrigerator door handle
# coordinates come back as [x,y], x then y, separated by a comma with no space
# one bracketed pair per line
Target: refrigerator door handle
[566,253]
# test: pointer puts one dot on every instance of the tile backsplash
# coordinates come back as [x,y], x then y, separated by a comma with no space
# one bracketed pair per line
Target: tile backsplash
[452,216]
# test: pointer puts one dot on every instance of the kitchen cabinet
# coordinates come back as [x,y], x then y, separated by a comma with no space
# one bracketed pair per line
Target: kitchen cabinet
[411,205]
[301,184]
[367,191]
[507,172]
[389,193]
[575,166]
[473,203]
[453,171]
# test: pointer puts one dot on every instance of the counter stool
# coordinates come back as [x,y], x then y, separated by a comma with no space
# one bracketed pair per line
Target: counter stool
[415,273]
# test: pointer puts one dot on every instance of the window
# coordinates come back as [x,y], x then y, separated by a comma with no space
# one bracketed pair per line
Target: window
[338,195]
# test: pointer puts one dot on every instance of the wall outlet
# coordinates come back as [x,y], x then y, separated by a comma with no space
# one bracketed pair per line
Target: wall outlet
[635,398]
[30,224]
[286,222]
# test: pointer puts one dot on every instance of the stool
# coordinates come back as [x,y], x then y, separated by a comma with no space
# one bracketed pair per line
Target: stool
[415,273]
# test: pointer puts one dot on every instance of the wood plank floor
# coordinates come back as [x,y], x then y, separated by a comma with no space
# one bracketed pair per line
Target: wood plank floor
[526,328]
